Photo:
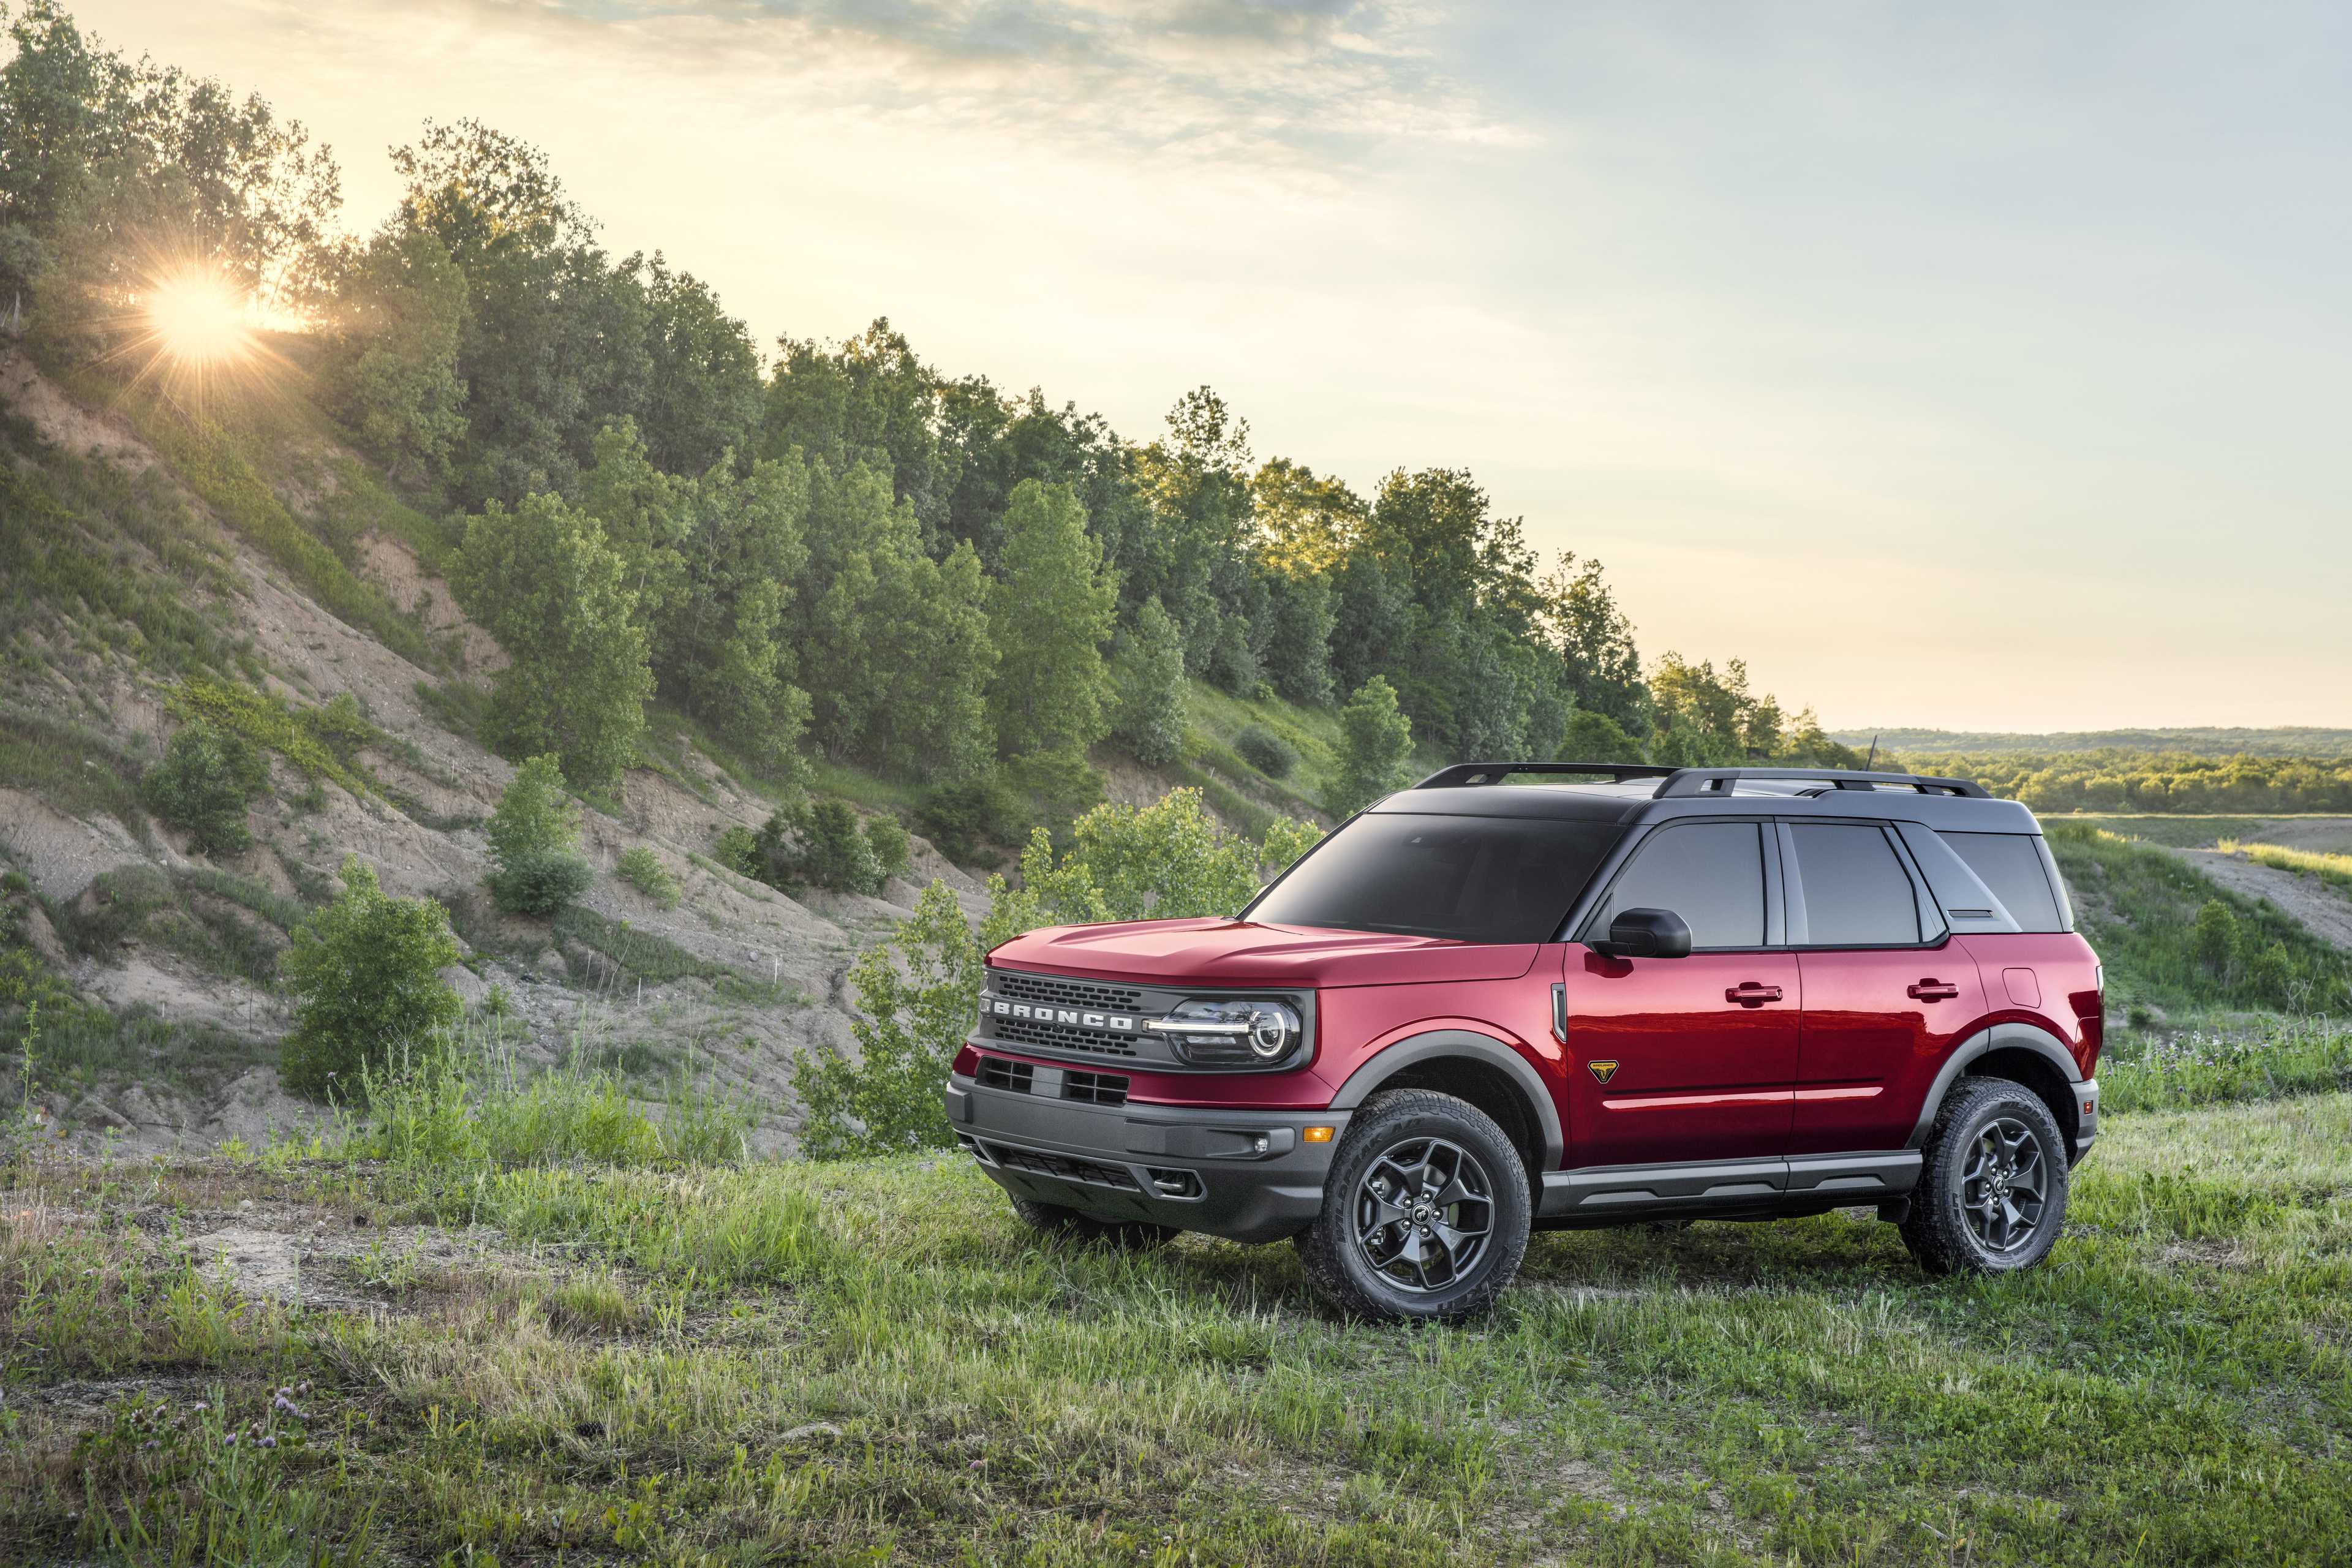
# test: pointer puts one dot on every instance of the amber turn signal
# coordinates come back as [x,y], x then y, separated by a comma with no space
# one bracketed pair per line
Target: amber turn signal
[1317,1135]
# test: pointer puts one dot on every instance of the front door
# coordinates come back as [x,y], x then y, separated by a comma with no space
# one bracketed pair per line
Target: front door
[1681,1060]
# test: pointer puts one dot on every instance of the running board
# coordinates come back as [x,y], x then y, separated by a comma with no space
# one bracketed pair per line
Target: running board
[1635,1191]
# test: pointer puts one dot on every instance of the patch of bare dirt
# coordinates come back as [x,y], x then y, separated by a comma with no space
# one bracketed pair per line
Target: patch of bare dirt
[63,854]
[393,566]
[84,432]
[2326,913]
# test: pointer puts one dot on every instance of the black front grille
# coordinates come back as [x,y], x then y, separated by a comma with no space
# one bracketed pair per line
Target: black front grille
[995,1072]
[1095,1087]
[1061,1166]
[1061,1036]
[1064,992]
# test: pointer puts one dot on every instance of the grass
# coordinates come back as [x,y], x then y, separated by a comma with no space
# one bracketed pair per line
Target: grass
[2176,831]
[183,911]
[2137,904]
[2144,1070]
[2335,870]
[873,1363]
[76,769]
[642,955]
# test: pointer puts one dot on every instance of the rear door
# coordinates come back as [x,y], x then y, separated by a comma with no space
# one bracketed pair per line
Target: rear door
[1686,1059]
[1888,993]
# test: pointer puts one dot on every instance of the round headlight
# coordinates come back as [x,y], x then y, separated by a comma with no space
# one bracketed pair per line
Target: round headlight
[1272,1029]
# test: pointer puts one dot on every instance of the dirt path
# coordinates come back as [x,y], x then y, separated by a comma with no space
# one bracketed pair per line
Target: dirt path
[2327,914]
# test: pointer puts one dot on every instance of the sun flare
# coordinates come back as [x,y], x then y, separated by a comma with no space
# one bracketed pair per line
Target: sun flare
[199,321]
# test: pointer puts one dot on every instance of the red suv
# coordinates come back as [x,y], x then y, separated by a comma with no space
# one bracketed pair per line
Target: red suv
[1595,996]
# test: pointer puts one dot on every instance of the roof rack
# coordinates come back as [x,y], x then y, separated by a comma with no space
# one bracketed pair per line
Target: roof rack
[1461,774]
[1718,781]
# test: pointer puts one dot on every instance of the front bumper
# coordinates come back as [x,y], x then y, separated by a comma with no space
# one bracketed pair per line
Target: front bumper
[1245,1175]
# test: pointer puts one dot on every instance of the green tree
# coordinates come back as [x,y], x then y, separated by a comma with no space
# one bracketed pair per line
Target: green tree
[916,997]
[1578,618]
[1049,613]
[542,580]
[206,779]
[2216,940]
[1149,709]
[364,972]
[532,835]
[1375,748]
[1594,737]
[391,367]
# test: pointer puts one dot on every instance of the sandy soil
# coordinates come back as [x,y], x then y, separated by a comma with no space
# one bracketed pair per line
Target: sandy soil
[2327,913]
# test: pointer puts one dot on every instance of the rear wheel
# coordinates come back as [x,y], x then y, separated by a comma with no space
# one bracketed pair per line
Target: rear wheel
[1053,1219]
[1425,1212]
[1992,1183]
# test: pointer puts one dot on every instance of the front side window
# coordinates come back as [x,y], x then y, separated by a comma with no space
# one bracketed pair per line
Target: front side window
[1469,878]
[1851,888]
[1709,873]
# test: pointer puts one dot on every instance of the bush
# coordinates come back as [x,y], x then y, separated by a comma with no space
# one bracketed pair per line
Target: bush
[207,779]
[836,852]
[1375,745]
[2216,940]
[1267,752]
[531,837]
[643,869]
[961,819]
[915,997]
[889,836]
[365,972]
[543,883]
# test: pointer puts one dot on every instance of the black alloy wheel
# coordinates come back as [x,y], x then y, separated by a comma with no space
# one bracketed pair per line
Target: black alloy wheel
[1991,1196]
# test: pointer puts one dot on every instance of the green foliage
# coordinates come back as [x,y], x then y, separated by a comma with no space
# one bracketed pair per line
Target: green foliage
[963,818]
[1050,614]
[1147,669]
[392,372]
[916,997]
[365,974]
[837,853]
[893,850]
[534,869]
[206,779]
[1375,745]
[2117,779]
[320,742]
[642,868]
[1267,752]
[2168,935]
[1164,862]
[641,954]
[1594,737]
[544,581]
[821,844]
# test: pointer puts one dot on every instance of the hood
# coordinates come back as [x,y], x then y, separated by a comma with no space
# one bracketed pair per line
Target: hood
[1222,951]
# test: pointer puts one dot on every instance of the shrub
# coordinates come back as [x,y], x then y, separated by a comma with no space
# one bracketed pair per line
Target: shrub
[1148,706]
[915,996]
[962,818]
[643,869]
[2216,940]
[836,853]
[365,972]
[531,837]
[887,834]
[1267,752]
[207,779]
[1375,744]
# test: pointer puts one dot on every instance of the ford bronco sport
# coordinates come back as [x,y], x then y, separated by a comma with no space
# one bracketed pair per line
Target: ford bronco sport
[1523,995]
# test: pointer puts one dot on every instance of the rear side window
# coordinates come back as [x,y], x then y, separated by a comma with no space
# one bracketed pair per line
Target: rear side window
[1852,889]
[2011,864]
[1711,874]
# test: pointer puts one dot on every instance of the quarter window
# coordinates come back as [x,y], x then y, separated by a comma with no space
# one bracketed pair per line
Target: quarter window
[1711,874]
[2011,864]
[1854,891]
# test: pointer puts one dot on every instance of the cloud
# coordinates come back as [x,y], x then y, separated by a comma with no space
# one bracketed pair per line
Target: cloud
[1306,84]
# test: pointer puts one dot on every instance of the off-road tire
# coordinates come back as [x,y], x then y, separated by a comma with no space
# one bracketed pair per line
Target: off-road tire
[1053,1219]
[1337,1266]
[1939,1229]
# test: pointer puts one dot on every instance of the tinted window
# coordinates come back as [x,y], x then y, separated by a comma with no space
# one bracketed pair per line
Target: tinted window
[1473,878]
[1854,892]
[2011,864]
[1711,874]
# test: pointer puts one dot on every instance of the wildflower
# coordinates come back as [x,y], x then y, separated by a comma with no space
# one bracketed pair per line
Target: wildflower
[229,1441]
[267,1442]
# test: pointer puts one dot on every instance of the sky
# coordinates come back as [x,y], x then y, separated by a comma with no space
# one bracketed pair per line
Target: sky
[1980,368]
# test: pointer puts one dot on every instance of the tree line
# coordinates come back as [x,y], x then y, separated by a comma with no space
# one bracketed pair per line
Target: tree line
[837,549]
[2120,780]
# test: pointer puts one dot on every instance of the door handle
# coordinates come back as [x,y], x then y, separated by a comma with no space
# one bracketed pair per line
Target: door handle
[1748,994]
[1933,991]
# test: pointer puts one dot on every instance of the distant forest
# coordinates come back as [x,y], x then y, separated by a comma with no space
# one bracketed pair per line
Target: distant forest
[2117,780]
[2188,740]
[833,549]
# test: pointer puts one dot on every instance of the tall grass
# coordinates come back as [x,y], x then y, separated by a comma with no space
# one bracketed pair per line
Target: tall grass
[2281,1058]
[2335,870]
[469,1103]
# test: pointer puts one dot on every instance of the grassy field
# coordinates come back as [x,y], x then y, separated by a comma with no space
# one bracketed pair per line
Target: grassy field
[2335,870]
[599,1354]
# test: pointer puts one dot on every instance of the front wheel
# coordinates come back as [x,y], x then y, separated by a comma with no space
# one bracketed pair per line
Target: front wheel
[1425,1212]
[1993,1182]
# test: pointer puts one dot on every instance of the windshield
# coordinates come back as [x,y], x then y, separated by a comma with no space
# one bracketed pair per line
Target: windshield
[1471,879]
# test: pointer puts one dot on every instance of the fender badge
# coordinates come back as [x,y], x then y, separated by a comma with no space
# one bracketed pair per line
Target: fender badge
[1603,1071]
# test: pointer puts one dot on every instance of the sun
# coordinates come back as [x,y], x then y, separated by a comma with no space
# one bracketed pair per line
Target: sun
[198,321]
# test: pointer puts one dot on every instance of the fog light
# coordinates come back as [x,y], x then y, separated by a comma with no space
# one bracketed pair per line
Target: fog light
[1317,1135]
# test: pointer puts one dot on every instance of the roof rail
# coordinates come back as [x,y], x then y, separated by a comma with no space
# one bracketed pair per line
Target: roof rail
[1717,781]
[1461,774]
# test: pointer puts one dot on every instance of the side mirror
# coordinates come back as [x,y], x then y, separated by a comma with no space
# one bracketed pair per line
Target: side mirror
[1647,934]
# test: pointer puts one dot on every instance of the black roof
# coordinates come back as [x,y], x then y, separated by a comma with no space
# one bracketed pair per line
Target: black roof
[1631,792]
